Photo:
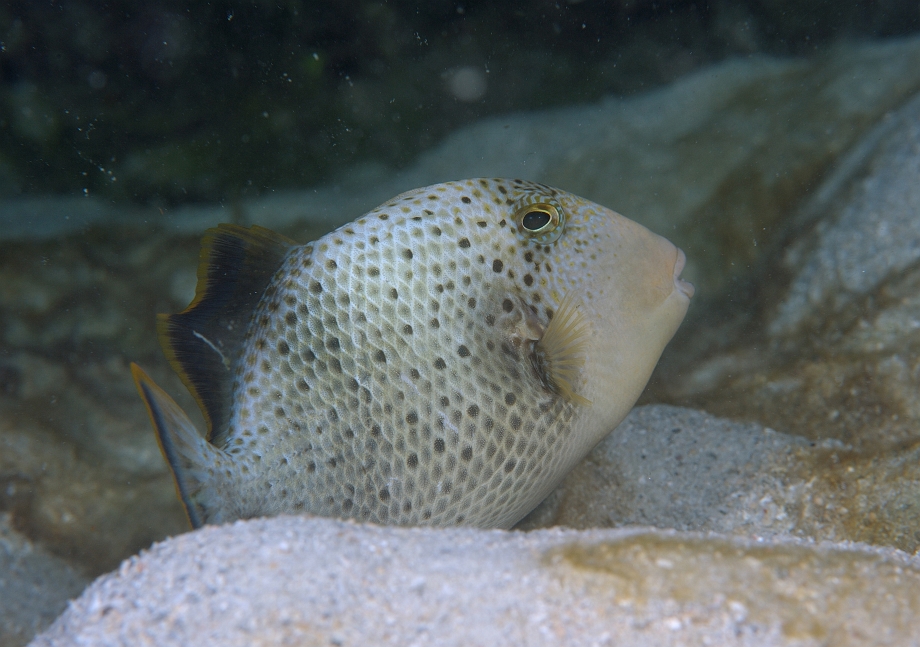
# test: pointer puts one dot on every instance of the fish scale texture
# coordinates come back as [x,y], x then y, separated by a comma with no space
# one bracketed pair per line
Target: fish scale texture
[382,381]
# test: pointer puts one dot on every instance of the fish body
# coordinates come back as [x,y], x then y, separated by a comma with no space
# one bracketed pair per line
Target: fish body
[445,359]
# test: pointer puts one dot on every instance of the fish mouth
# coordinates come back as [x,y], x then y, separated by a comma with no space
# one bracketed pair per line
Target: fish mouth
[684,286]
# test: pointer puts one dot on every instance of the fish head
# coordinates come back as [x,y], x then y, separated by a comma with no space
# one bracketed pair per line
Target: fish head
[616,284]
[625,280]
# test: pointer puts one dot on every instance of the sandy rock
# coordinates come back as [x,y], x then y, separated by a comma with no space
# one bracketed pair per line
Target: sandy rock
[34,586]
[678,468]
[293,580]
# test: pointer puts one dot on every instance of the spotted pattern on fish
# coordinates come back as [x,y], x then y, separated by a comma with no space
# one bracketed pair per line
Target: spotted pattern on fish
[398,370]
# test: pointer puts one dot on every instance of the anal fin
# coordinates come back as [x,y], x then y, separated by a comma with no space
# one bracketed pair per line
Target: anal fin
[189,456]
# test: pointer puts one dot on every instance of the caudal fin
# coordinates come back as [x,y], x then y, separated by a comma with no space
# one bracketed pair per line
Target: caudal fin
[190,457]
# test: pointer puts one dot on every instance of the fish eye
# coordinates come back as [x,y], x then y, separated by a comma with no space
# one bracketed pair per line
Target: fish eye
[541,219]
[536,220]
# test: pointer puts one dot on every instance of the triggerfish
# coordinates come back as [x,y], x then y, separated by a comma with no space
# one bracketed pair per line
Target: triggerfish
[444,359]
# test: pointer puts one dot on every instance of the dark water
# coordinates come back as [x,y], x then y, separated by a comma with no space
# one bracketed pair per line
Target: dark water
[128,128]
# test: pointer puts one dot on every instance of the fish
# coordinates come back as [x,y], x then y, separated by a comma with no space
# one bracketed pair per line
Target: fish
[445,359]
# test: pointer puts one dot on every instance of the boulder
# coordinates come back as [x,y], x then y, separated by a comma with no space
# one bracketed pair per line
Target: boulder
[299,580]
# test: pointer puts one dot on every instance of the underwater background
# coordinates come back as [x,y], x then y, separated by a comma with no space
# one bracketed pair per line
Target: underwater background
[775,141]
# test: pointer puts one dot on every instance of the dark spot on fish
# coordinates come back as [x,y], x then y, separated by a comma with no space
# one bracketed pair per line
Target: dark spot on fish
[510,465]
[373,271]
[426,515]
[439,288]
[347,505]
[308,355]
[316,287]
[507,305]
[439,363]
[502,223]
[515,422]
[380,356]
[510,399]
[435,230]
[311,467]
[528,256]
[384,216]
[412,460]
[407,254]
[333,414]
[393,293]
[465,200]
[472,411]
[482,223]
[331,264]
[445,401]
[414,374]
[331,462]
[497,265]
[412,417]
[283,347]
[374,240]
[528,280]
[302,385]
[480,259]
[464,243]
[439,445]
[467,453]
[291,318]
[435,323]
[353,385]
[490,321]
[332,344]
[549,313]
[463,351]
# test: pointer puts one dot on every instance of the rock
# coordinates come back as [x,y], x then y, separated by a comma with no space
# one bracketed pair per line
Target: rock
[868,232]
[298,580]
[828,345]
[670,467]
[34,586]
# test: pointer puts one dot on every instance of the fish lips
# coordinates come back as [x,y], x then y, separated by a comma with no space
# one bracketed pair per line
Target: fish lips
[683,286]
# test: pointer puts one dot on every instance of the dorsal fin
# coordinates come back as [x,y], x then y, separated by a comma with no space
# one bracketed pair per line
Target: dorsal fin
[203,342]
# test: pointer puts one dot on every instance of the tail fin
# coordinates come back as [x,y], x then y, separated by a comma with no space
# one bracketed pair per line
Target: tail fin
[189,455]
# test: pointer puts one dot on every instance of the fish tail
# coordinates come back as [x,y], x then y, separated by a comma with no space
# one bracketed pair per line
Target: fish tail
[191,458]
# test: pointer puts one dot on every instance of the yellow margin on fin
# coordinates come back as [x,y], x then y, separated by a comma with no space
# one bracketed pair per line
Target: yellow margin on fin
[235,266]
[563,346]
